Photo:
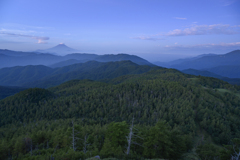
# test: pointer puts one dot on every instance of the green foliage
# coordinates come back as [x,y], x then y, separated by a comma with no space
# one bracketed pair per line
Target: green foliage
[208,151]
[116,133]
[230,150]
[168,108]
[157,142]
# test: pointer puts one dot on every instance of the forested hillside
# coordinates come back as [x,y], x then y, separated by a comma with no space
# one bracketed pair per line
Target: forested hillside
[175,116]
[44,77]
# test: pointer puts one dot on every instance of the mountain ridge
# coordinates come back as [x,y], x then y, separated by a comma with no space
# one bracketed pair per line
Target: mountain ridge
[47,59]
[60,49]
[39,76]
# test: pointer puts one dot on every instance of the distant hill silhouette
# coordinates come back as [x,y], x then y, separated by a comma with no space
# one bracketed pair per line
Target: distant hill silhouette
[232,58]
[15,76]
[225,65]
[179,61]
[14,58]
[122,57]
[42,76]
[231,71]
[202,73]
[210,74]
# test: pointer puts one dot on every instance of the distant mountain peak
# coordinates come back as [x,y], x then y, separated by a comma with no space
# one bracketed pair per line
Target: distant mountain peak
[61,45]
[60,49]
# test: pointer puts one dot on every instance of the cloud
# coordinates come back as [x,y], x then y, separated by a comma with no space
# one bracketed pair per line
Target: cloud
[180,18]
[215,29]
[147,38]
[41,40]
[24,27]
[228,2]
[205,30]
[201,46]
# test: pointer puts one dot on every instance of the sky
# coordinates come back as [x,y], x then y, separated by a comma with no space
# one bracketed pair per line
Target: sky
[157,30]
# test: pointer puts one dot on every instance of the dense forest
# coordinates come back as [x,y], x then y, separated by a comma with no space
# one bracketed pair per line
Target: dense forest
[159,114]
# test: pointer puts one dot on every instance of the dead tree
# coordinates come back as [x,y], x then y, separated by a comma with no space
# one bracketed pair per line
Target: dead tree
[130,136]
[74,138]
[85,144]
[236,155]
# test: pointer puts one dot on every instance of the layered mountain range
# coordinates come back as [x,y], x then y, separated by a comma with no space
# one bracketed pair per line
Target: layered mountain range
[43,76]
[225,65]
[30,69]
[48,58]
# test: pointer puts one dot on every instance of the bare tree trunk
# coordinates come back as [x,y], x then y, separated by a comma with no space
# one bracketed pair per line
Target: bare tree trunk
[129,138]
[73,138]
[237,154]
[85,144]
[31,147]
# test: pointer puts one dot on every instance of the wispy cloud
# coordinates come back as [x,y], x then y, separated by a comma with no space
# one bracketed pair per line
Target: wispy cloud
[180,18]
[21,30]
[147,38]
[205,30]
[209,45]
[215,29]
[228,2]
[24,27]
[41,40]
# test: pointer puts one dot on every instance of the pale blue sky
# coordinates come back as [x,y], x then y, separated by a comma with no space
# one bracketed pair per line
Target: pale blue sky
[158,30]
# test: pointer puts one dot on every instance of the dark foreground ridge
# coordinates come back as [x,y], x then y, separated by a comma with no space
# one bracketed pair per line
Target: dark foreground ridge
[176,116]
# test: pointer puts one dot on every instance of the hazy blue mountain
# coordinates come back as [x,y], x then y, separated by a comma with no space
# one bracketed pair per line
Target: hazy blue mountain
[226,71]
[234,81]
[81,56]
[201,73]
[161,64]
[122,57]
[14,53]
[61,49]
[14,58]
[91,70]
[183,60]
[16,76]
[6,91]
[29,59]
[210,74]
[178,61]
[232,58]
[66,63]
[74,58]
[42,76]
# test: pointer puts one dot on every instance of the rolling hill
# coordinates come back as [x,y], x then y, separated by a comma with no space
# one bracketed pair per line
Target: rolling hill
[231,58]
[234,81]
[231,71]
[42,76]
